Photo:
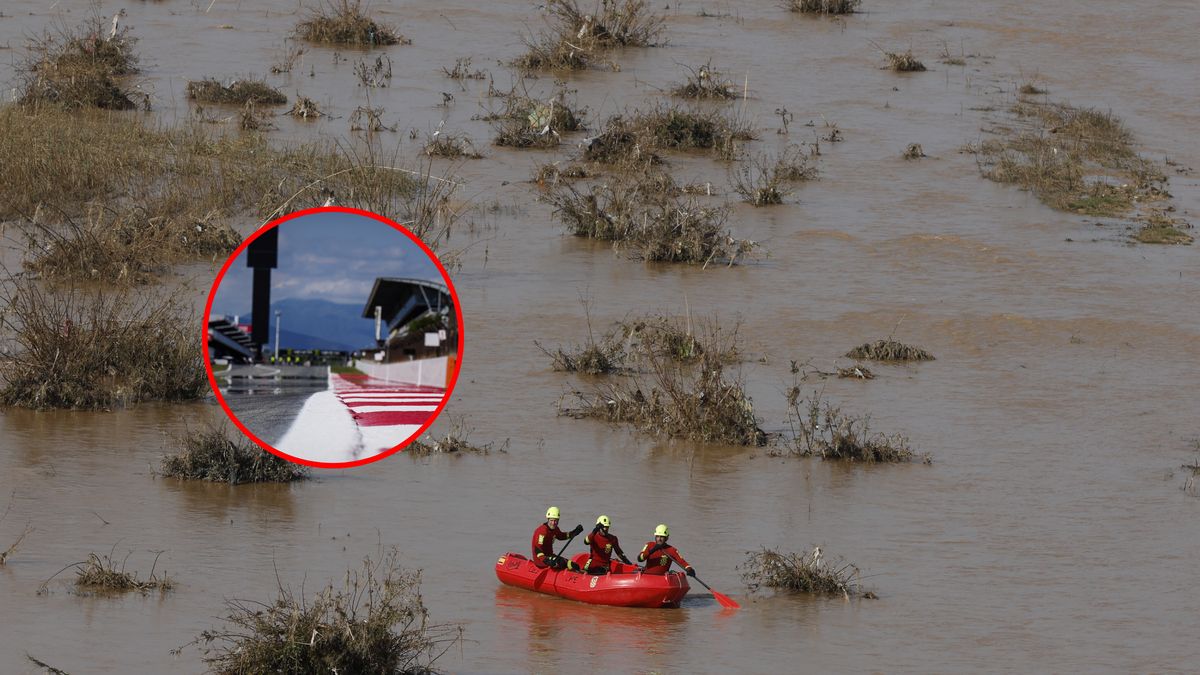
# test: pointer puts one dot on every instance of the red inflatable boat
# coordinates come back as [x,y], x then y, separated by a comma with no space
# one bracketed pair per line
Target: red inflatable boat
[626,586]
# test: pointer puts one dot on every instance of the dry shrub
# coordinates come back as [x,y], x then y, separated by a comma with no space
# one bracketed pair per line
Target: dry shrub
[913,151]
[636,137]
[79,68]
[593,358]
[305,108]
[378,74]
[456,441]
[889,350]
[212,455]
[704,83]
[682,339]
[97,349]
[818,428]
[344,22]
[766,179]
[462,71]
[1190,484]
[375,622]
[575,37]
[696,402]
[1031,89]
[100,574]
[238,92]
[652,224]
[904,62]
[454,146]
[802,573]
[527,122]
[823,6]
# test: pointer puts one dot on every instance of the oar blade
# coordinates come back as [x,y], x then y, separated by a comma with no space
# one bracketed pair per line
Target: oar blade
[725,601]
[540,578]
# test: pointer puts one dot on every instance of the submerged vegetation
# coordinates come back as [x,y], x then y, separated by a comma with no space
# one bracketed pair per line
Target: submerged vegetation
[527,122]
[889,350]
[1079,160]
[681,391]
[904,62]
[344,22]
[211,455]
[802,573]
[819,428]
[455,441]
[705,83]
[96,349]
[375,622]
[634,138]
[577,37]
[238,92]
[99,573]
[764,179]
[823,6]
[651,223]
[79,68]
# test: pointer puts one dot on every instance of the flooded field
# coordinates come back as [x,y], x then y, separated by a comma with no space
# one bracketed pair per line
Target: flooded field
[1051,532]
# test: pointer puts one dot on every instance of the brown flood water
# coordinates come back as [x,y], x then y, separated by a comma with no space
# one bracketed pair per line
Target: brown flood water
[1050,533]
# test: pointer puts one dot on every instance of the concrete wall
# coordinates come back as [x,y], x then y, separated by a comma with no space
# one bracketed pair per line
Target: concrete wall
[427,372]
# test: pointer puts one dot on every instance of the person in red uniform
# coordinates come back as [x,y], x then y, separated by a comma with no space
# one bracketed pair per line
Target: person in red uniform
[658,554]
[545,536]
[603,544]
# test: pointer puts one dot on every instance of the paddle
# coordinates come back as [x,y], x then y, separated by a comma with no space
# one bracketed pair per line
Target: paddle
[541,577]
[725,600]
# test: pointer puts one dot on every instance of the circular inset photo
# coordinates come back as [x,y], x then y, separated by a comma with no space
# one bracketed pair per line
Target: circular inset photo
[333,337]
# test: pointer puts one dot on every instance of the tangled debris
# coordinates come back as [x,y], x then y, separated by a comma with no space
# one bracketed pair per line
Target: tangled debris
[802,573]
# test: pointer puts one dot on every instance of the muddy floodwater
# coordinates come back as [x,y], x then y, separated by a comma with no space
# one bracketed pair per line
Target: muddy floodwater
[1051,532]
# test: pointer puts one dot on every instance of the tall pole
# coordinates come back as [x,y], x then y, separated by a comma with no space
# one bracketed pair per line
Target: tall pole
[277,315]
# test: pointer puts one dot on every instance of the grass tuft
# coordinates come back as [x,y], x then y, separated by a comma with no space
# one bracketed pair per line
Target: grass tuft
[764,179]
[211,455]
[705,84]
[832,7]
[96,349]
[238,92]
[576,37]
[889,350]
[344,22]
[79,68]
[100,573]
[375,622]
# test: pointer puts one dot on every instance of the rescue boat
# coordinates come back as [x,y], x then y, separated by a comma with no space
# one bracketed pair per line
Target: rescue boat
[624,586]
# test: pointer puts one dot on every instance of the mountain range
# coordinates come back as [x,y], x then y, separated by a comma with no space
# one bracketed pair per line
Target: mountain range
[319,324]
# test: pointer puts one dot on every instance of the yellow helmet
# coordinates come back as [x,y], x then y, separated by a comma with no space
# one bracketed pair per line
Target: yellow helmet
[661,530]
[603,520]
[552,512]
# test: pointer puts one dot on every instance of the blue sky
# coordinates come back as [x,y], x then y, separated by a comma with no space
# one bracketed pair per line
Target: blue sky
[328,256]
